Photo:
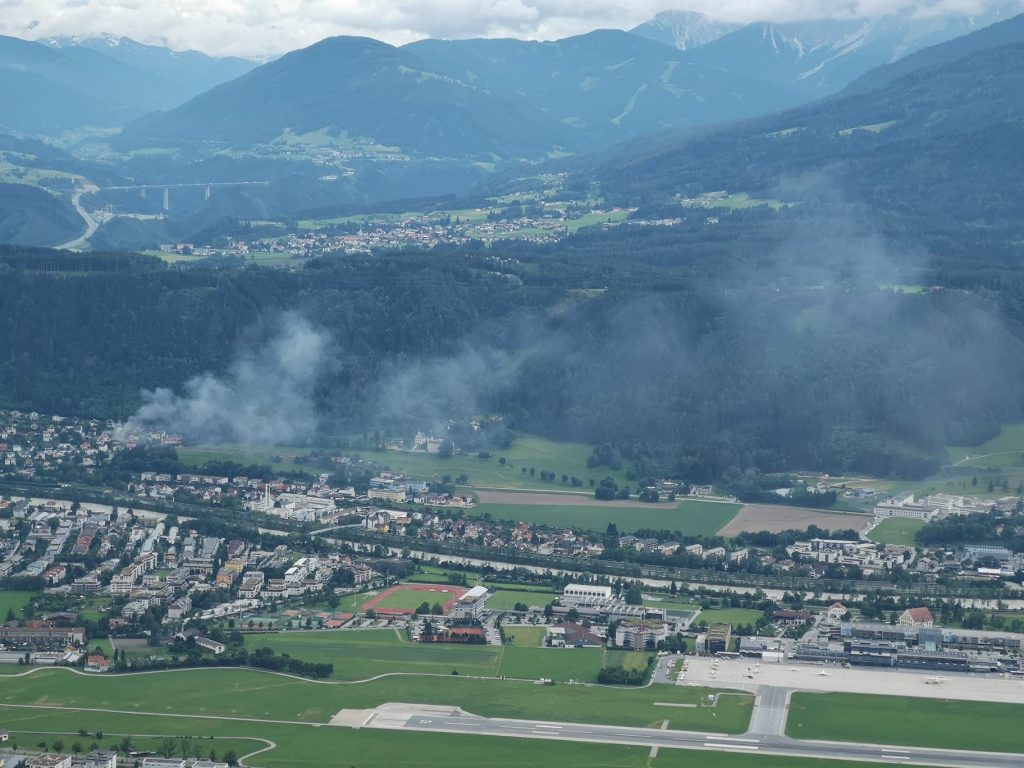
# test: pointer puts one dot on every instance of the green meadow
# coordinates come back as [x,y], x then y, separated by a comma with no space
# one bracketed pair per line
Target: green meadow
[896,530]
[911,722]
[691,518]
[309,745]
[362,654]
[251,694]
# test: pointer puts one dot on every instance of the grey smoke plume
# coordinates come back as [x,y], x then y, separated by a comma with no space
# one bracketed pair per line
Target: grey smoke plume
[265,397]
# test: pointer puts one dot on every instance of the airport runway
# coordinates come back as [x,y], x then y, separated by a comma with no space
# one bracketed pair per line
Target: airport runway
[649,737]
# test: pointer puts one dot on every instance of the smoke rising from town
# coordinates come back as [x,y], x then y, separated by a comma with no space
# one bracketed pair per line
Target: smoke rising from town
[264,397]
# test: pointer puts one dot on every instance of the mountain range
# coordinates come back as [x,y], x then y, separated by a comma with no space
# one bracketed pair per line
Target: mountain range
[506,99]
[684,30]
[813,58]
[60,85]
[938,137]
[434,117]
[477,99]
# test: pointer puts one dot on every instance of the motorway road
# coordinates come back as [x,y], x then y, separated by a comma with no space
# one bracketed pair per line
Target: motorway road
[91,225]
[753,745]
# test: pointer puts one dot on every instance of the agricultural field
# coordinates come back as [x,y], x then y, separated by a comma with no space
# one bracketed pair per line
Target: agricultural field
[594,218]
[732,202]
[910,722]
[896,530]
[297,745]
[691,518]
[776,518]
[252,694]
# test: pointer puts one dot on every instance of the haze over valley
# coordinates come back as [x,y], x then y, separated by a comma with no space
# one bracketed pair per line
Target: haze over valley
[579,384]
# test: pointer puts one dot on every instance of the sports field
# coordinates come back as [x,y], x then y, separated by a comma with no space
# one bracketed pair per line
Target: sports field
[302,745]
[690,518]
[406,598]
[910,722]
[252,694]
[896,530]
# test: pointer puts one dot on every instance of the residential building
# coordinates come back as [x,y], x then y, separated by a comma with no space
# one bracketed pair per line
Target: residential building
[97,663]
[916,617]
[41,636]
[395,495]
[179,608]
[639,635]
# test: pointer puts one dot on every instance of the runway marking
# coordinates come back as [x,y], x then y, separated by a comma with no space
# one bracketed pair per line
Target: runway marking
[554,727]
[746,747]
[732,738]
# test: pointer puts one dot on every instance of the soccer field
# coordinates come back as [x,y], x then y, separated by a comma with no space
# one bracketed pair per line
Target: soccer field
[406,598]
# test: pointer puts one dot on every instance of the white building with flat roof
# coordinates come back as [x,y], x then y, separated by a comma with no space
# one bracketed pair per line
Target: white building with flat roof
[471,605]
[586,592]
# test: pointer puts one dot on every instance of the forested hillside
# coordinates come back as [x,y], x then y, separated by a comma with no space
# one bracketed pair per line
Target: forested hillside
[780,360]
[938,147]
[33,216]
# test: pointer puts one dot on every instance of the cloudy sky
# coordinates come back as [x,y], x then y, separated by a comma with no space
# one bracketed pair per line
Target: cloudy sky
[270,27]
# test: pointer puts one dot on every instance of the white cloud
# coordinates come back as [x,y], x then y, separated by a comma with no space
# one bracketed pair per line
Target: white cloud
[270,27]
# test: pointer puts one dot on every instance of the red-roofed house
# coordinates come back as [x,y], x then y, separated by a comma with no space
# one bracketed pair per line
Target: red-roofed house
[916,617]
[97,663]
